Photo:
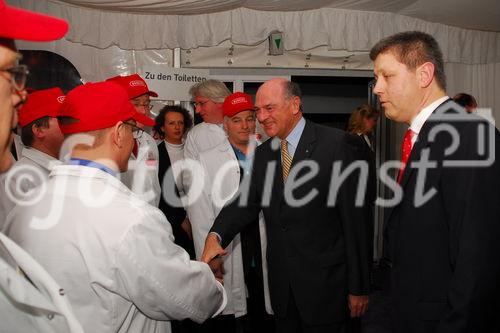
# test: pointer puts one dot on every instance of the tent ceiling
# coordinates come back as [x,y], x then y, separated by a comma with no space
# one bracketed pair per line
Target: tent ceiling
[478,14]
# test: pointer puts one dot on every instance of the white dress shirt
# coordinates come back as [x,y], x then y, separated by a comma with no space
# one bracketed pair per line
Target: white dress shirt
[422,116]
[293,137]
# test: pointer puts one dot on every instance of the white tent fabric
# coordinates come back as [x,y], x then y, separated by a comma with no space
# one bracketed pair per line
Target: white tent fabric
[482,81]
[95,64]
[337,29]
[479,14]
[189,7]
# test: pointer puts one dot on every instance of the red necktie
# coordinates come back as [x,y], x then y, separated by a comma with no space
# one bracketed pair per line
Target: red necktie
[405,152]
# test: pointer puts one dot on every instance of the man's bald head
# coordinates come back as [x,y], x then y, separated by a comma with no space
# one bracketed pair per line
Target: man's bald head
[278,103]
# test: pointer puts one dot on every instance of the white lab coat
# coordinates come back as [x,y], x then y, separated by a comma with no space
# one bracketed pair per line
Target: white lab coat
[32,169]
[37,306]
[142,174]
[114,254]
[202,137]
[223,185]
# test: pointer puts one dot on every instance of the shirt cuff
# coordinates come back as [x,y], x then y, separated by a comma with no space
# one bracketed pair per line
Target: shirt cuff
[219,238]
[224,298]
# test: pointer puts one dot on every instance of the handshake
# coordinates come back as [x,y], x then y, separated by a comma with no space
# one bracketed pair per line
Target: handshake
[212,255]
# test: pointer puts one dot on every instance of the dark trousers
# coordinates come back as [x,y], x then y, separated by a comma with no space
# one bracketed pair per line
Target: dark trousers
[257,319]
[293,322]
[219,324]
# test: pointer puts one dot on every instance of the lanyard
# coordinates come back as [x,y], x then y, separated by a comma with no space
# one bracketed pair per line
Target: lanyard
[91,164]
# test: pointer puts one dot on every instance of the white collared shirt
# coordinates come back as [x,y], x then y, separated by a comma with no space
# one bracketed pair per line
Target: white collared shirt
[31,170]
[294,137]
[418,122]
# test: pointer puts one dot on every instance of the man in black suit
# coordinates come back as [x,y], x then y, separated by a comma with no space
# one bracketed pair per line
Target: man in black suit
[318,246]
[441,241]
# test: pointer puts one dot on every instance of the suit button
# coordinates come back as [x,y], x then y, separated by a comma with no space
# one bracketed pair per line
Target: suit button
[50,316]
[284,228]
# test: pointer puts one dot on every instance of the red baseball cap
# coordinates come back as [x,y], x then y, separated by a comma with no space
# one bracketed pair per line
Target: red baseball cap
[237,102]
[134,85]
[97,106]
[16,23]
[41,103]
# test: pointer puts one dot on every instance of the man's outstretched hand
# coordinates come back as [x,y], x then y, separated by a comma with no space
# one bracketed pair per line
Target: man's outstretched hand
[358,305]
[212,254]
[216,265]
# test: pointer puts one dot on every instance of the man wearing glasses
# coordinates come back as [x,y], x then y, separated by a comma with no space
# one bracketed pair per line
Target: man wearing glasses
[113,252]
[208,97]
[30,299]
[142,174]
[12,94]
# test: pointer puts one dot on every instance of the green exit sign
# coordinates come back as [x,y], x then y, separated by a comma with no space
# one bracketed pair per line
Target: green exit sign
[276,43]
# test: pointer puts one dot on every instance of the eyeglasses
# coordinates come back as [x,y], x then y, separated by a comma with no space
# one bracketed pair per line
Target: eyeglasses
[147,107]
[200,104]
[18,76]
[136,131]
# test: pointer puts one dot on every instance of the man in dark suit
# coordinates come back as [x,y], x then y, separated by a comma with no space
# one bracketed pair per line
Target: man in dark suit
[318,247]
[441,240]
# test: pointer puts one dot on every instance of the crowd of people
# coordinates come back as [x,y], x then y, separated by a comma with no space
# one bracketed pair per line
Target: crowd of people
[114,222]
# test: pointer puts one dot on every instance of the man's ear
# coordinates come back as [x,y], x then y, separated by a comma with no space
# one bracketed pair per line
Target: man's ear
[425,74]
[118,134]
[296,104]
[38,131]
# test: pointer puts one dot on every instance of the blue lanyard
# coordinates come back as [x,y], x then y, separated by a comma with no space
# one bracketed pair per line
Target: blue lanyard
[91,164]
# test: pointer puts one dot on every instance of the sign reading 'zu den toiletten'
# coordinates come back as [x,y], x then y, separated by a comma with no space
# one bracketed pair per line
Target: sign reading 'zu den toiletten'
[173,83]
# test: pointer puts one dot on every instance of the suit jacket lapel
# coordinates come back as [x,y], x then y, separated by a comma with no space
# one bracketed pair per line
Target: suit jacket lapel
[303,151]
[421,143]
[416,151]
[306,144]
[278,176]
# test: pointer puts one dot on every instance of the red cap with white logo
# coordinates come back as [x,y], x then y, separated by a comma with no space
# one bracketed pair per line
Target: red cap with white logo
[236,103]
[134,85]
[41,103]
[99,105]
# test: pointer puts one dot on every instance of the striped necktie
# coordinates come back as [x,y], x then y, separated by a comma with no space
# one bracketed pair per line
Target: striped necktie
[286,159]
